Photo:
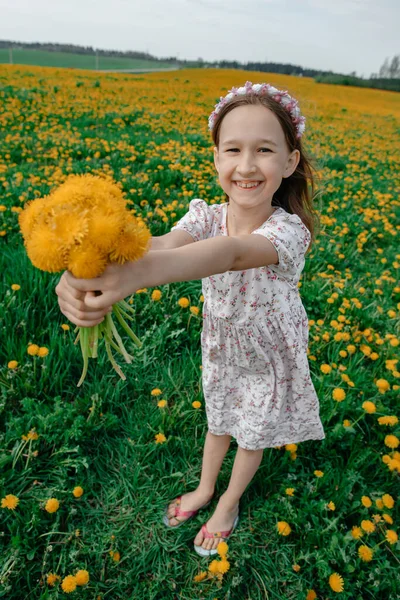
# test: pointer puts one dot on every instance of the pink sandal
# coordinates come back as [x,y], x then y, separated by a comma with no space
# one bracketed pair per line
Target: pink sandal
[181,513]
[220,534]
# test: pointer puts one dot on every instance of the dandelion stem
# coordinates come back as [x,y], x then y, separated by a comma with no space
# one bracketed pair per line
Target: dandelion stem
[111,358]
[114,332]
[84,347]
[125,326]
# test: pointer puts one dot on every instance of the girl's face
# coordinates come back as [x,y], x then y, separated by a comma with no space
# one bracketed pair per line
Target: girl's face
[252,150]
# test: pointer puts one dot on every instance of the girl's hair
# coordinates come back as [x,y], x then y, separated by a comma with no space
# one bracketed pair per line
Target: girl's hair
[296,192]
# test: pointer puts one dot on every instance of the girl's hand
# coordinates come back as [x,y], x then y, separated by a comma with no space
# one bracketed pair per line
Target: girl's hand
[85,302]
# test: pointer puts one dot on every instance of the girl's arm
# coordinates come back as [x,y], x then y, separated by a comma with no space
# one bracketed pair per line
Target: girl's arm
[173,239]
[192,261]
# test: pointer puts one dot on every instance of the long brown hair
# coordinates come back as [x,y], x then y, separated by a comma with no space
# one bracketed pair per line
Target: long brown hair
[296,192]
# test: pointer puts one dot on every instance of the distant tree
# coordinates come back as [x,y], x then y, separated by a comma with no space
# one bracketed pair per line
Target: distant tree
[390,69]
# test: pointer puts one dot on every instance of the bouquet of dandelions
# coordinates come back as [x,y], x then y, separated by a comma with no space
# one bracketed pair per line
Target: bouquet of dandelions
[82,226]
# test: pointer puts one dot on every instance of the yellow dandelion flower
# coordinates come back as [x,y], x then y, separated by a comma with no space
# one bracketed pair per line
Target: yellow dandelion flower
[77,491]
[223,566]
[52,578]
[69,584]
[32,349]
[183,302]
[356,532]
[13,364]
[326,369]
[15,287]
[52,505]
[65,327]
[289,491]
[162,403]
[116,556]
[369,407]
[196,404]
[43,251]
[200,576]
[331,505]
[338,394]
[132,243]
[105,227]
[365,553]
[391,536]
[318,474]
[156,392]
[85,261]
[10,501]
[388,500]
[28,218]
[43,351]
[156,295]
[296,568]
[68,224]
[336,582]
[194,310]
[383,385]
[387,518]
[311,595]
[160,438]
[388,420]
[391,441]
[346,423]
[368,526]
[283,528]
[366,501]
[222,549]
[82,577]
[213,567]
[291,447]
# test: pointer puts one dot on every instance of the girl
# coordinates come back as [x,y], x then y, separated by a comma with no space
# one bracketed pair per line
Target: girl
[249,253]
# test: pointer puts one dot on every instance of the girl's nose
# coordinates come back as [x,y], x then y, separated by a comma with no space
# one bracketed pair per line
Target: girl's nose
[246,164]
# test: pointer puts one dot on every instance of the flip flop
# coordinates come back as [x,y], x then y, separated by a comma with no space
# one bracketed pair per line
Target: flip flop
[220,534]
[181,513]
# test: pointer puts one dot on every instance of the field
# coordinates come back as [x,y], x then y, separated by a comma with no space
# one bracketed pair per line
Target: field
[340,497]
[69,60]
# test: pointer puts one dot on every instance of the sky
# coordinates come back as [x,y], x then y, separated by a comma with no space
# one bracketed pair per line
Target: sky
[337,35]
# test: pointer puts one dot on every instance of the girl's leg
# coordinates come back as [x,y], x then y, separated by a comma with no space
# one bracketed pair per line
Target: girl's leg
[215,448]
[244,468]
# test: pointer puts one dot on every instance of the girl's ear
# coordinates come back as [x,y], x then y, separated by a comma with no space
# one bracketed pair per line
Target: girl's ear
[216,158]
[291,163]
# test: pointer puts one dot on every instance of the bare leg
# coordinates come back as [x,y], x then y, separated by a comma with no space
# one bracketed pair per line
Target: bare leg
[244,468]
[215,449]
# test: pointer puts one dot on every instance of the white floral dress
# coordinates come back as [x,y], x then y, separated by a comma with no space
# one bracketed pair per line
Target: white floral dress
[256,379]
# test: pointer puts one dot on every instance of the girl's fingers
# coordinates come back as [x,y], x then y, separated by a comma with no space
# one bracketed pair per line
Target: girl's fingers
[77,304]
[102,302]
[84,317]
[80,323]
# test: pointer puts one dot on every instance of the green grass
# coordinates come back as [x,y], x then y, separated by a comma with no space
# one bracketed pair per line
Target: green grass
[68,60]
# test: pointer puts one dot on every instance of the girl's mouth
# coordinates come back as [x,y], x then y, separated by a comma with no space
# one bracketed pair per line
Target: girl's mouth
[247,186]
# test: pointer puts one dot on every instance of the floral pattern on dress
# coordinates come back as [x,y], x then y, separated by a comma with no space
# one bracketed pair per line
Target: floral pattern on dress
[256,379]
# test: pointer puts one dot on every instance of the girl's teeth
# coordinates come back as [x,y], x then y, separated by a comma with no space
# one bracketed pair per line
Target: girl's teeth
[247,185]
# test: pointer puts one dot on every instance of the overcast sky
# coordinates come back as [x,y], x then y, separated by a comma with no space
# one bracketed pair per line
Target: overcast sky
[337,35]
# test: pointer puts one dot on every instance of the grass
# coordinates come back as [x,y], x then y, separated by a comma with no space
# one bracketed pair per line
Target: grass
[150,133]
[44,58]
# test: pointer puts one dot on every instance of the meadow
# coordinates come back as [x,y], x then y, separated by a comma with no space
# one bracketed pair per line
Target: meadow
[45,58]
[86,472]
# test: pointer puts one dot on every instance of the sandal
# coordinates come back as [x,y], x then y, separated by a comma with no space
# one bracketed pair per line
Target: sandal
[181,513]
[220,534]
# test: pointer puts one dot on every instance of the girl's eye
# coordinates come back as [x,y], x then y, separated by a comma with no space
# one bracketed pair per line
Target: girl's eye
[266,149]
[232,150]
[237,149]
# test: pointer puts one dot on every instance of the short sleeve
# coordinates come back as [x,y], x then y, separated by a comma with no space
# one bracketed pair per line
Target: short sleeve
[291,239]
[197,221]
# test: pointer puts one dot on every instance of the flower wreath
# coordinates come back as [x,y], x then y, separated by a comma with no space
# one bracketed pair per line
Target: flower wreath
[289,103]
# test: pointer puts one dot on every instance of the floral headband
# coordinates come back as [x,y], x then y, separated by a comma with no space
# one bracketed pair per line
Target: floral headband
[289,103]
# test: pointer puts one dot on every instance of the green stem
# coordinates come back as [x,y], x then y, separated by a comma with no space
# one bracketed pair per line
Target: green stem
[111,358]
[84,348]
[126,327]
[118,340]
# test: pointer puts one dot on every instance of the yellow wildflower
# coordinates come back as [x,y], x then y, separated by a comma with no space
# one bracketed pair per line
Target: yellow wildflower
[15,287]
[311,595]
[223,566]
[387,518]
[283,528]
[82,577]
[69,584]
[52,578]
[156,392]
[13,364]
[183,302]
[65,327]
[160,438]
[319,474]
[156,295]
[365,553]
[356,532]
[42,352]
[289,491]
[32,349]
[366,501]
[387,500]
[391,536]
[368,526]
[196,404]
[77,491]
[222,549]
[338,394]
[369,407]
[391,441]
[201,576]
[10,501]
[162,403]
[336,582]
[52,505]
